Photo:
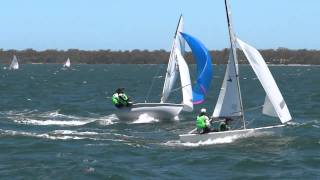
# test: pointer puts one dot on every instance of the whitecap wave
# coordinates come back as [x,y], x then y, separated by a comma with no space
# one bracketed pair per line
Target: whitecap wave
[107,120]
[145,118]
[70,132]
[60,135]
[51,122]
[44,135]
[55,118]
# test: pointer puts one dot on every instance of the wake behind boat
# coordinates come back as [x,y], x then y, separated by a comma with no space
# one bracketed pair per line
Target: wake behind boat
[229,104]
[177,66]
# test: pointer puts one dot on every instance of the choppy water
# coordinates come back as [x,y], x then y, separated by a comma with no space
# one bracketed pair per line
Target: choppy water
[57,124]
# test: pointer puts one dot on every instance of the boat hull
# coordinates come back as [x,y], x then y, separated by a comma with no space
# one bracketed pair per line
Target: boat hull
[155,110]
[194,138]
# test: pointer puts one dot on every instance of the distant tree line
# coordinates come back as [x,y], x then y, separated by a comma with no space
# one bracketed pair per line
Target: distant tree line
[272,56]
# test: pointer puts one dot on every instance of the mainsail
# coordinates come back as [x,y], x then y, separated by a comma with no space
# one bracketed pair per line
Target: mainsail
[14,64]
[172,70]
[204,68]
[67,63]
[265,77]
[229,102]
[185,82]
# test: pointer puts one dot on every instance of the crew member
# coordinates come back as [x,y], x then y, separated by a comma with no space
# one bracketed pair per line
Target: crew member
[203,122]
[120,99]
[224,126]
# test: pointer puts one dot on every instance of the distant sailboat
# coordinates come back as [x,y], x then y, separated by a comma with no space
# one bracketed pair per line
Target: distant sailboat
[67,64]
[177,66]
[229,104]
[14,63]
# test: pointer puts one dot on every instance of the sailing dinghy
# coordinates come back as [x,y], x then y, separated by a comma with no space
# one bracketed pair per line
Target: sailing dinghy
[67,64]
[229,104]
[14,63]
[177,66]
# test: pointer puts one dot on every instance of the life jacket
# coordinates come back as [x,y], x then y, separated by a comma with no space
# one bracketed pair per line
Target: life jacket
[123,98]
[115,99]
[201,122]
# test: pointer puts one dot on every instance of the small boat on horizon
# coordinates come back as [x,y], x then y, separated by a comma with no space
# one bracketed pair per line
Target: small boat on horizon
[67,64]
[14,63]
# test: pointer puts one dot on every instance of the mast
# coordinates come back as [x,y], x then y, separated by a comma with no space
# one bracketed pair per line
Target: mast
[234,53]
[172,64]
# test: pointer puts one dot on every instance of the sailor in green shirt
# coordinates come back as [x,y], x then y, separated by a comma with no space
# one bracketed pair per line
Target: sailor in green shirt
[203,122]
[120,99]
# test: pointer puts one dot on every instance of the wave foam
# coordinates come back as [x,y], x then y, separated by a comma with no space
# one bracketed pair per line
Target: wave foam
[51,122]
[225,140]
[55,118]
[60,135]
[145,118]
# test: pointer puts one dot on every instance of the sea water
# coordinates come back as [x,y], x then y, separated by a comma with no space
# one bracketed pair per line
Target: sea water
[60,124]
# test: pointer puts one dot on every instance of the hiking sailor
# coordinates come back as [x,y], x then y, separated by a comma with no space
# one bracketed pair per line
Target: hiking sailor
[120,99]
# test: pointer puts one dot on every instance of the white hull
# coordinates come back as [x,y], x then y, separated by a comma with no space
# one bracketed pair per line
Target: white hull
[194,138]
[155,110]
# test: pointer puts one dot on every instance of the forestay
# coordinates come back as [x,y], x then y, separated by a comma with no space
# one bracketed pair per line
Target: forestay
[266,79]
[172,70]
[204,68]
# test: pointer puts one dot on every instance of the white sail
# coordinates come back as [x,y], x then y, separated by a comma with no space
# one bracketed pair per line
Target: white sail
[67,64]
[185,82]
[268,108]
[14,64]
[172,70]
[228,104]
[265,77]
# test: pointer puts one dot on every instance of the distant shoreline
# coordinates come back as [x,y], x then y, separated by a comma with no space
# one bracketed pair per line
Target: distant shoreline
[280,56]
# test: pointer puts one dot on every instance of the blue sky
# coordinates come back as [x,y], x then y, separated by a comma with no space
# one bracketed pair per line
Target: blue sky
[149,24]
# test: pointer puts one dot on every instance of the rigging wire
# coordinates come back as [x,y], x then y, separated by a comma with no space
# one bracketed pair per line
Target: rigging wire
[152,84]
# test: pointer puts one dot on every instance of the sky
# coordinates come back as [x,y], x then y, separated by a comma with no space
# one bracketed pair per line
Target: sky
[150,24]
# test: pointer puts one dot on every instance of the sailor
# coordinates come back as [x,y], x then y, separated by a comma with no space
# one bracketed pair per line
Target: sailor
[224,125]
[203,122]
[120,99]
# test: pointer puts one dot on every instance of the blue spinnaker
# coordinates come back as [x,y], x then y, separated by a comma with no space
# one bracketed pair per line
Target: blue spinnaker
[204,68]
